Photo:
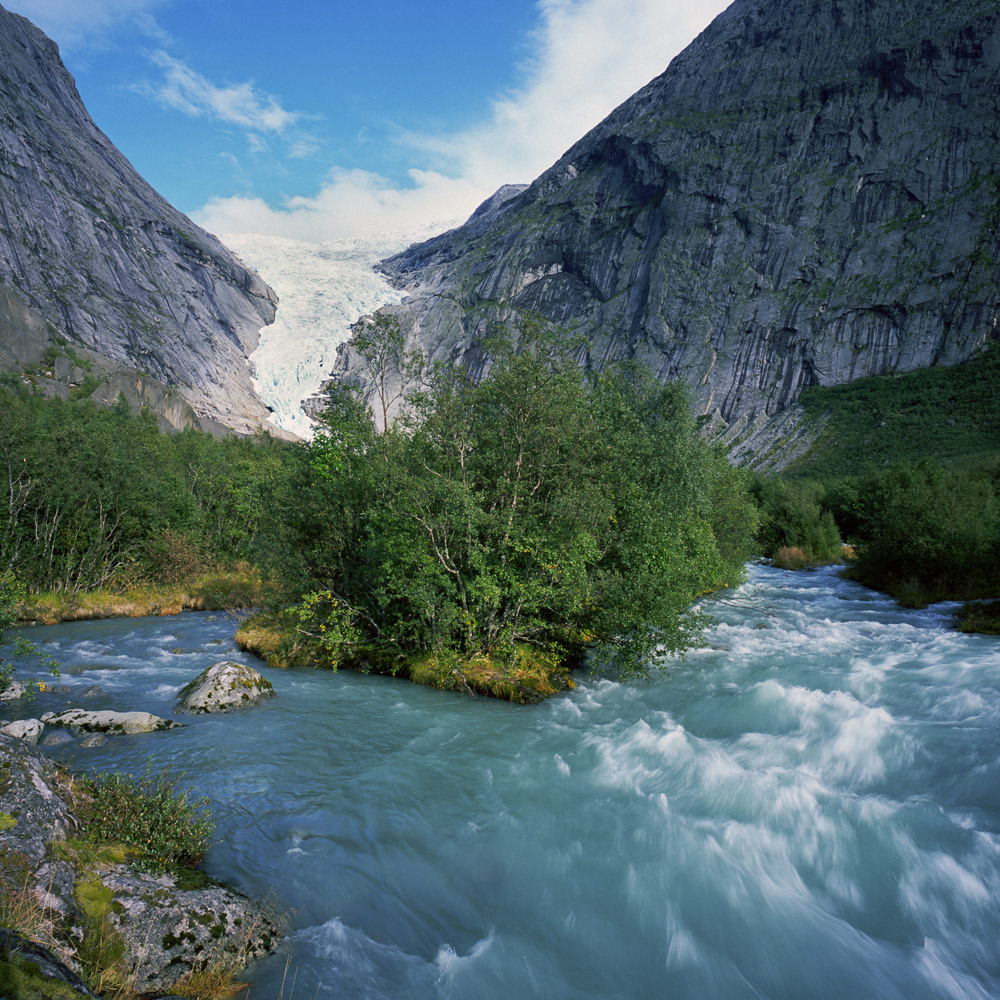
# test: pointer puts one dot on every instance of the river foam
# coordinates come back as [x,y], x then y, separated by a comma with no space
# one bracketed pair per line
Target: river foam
[805,809]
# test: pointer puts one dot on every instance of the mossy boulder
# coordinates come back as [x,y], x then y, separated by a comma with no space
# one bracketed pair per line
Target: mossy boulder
[224,687]
[168,931]
[29,971]
[99,916]
[36,795]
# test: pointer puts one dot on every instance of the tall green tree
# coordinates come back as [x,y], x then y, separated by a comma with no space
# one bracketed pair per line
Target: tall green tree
[538,507]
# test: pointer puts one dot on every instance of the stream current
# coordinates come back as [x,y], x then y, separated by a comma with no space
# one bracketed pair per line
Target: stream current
[809,807]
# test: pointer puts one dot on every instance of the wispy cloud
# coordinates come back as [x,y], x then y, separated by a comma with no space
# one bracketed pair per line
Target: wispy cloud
[79,25]
[588,56]
[240,104]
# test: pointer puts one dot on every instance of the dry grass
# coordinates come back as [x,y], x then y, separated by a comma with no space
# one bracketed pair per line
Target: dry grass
[21,908]
[791,557]
[215,981]
[241,587]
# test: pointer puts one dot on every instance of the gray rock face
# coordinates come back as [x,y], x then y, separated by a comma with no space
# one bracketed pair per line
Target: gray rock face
[168,930]
[808,195]
[34,798]
[29,730]
[91,254]
[224,687]
[116,723]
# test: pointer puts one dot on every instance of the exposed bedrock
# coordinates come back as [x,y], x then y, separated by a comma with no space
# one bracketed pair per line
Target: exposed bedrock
[809,194]
[92,259]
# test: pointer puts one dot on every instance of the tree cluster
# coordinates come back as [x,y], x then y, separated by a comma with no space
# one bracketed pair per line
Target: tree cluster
[538,508]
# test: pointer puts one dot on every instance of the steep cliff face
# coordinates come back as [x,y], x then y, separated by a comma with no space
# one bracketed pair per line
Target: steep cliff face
[809,194]
[93,259]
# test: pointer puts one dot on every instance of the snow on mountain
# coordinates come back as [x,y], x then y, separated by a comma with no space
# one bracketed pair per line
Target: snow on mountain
[322,289]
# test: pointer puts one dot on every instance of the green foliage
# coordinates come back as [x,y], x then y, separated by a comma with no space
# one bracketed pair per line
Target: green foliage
[149,815]
[532,508]
[793,516]
[950,414]
[94,498]
[926,533]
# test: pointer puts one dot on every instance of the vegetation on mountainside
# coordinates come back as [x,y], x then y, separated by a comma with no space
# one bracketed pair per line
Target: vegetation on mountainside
[513,519]
[950,414]
[909,468]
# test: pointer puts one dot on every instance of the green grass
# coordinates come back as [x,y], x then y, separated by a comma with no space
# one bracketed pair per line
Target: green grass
[951,414]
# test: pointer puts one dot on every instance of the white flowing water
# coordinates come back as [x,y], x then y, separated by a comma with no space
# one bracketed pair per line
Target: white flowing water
[809,809]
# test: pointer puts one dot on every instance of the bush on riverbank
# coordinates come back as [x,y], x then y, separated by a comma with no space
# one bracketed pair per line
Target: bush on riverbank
[160,827]
[925,533]
[101,499]
[796,530]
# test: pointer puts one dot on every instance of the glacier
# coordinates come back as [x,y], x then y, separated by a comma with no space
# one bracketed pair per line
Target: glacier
[322,289]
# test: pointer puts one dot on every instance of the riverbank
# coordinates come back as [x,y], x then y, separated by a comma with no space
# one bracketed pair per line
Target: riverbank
[532,676]
[100,891]
[221,590]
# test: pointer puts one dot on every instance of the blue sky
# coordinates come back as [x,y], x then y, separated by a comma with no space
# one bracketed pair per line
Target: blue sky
[322,120]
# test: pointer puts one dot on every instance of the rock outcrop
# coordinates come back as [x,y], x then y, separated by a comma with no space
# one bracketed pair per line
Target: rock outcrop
[79,720]
[29,730]
[104,287]
[809,194]
[84,901]
[27,969]
[224,687]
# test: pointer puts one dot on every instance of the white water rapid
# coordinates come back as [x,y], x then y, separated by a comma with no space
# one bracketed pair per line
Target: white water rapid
[808,807]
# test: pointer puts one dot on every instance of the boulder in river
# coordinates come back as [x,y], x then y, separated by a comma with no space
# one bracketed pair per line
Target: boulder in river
[115,723]
[29,730]
[13,691]
[224,687]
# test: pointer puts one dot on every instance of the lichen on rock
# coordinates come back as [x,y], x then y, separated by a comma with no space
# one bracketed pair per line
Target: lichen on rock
[115,723]
[224,687]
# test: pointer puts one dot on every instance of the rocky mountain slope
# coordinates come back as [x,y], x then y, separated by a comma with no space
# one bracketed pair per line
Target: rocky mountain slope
[809,194]
[104,287]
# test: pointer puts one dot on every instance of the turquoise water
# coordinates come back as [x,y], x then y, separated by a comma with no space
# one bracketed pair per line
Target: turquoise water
[809,809]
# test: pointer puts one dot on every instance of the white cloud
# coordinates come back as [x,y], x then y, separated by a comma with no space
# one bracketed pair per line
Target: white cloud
[183,89]
[74,24]
[351,203]
[589,56]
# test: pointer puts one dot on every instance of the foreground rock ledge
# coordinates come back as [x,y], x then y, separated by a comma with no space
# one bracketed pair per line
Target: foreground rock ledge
[224,687]
[167,925]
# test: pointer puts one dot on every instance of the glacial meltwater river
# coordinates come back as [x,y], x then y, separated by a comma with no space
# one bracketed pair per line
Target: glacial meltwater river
[805,810]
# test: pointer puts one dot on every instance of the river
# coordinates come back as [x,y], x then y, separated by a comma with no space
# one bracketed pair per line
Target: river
[809,807]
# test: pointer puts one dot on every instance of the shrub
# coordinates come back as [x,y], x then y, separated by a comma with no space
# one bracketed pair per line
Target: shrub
[929,534]
[148,814]
[793,517]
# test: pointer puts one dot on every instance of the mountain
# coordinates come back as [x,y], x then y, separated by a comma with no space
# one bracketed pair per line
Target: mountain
[104,287]
[809,194]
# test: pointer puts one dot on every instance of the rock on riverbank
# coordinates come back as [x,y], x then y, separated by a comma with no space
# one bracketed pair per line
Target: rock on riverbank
[84,903]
